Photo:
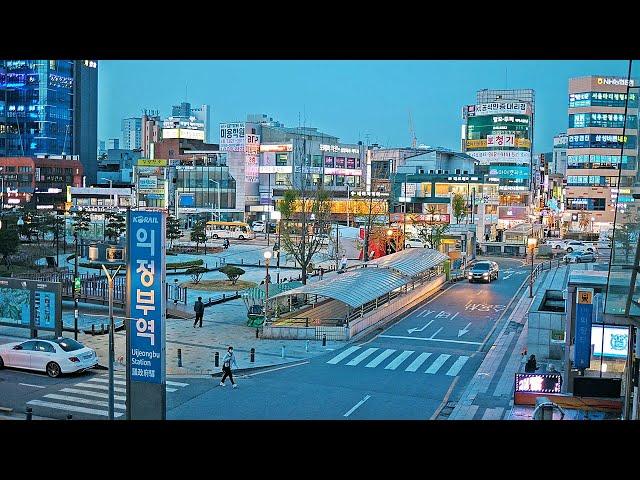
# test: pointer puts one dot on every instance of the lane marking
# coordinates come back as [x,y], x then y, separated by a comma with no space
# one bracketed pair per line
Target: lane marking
[445,399]
[343,355]
[378,360]
[457,366]
[279,368]
[431,339]
[106,380]
[73,408]
[31,385]
[101,387]
[177,384]
[93,394]
[357,405]
[368,352]
[399,359]
[435,366]
[86,401]
[437,332]
[417,362]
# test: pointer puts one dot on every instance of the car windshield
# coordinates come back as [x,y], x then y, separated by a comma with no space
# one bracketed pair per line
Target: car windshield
[481,267]
[68,345]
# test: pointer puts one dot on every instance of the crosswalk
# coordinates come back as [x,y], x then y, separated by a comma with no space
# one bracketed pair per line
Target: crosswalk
[86,396]
[399,360]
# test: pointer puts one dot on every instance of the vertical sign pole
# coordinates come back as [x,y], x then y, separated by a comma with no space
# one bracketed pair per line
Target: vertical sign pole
[127,320]
[584,311]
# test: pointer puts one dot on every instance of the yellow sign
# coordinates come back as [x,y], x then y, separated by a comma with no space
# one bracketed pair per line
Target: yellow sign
[156,162]
[523,143]
[585,296]
[482,143]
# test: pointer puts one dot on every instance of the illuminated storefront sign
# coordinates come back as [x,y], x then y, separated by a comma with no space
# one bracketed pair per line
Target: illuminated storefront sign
[496,156]
[145,162]
[275,169]
[421,218]
[188,133]
[499,108]
[584,312]
[615,81]
[501,141]
[602,141]
[342,171]
[338,149]
[614,344]
[509,172]
[512,213]
[538,382]
[252,151]
[276,148]
[232,137]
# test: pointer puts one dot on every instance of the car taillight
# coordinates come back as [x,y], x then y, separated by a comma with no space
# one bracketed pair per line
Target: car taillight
[74,359]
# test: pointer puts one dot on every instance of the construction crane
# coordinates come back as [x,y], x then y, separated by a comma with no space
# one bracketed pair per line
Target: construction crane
[412,132]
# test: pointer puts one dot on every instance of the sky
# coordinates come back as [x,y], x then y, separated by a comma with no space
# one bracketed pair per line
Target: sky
[351,99]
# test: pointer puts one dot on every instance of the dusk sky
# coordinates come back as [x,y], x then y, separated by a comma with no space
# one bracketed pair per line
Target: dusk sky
[346,98]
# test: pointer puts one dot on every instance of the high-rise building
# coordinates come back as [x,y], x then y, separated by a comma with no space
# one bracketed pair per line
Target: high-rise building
[132,133]
[102,147]
[602,151]
[201,114]
[49,107]
[113,144]
[151,131]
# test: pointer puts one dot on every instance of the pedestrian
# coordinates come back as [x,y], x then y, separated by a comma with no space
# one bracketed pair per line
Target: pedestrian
[321,272]
[531,365]
[228,359]
[225,243]
[343,262]
[199,309]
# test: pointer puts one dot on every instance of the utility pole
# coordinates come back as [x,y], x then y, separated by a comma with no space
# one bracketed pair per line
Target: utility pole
[111,340]
[76,281]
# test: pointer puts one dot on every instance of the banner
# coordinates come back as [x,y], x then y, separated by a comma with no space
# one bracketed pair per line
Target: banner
[584,313]
[487,157]
[500,171]
[157,162]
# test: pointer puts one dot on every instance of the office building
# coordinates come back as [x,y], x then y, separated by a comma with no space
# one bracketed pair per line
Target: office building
[49,107]
[117,165]
[113,144]
[132,133]
[151,131]
[201,115]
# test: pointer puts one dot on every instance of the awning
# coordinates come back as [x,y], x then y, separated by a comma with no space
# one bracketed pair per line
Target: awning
[411,261]
[274,289]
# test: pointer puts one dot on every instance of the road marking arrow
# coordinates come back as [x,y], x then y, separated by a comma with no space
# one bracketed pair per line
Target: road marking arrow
[464,330]
[411,330]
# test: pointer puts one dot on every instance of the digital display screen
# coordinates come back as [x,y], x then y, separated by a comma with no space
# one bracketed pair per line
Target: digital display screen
[538,382]
[615,341]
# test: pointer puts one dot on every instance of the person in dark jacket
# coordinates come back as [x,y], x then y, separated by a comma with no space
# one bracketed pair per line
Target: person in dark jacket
[531,365]
[199,309]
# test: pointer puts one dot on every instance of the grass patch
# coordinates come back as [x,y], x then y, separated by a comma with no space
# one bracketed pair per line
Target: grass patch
[219,285]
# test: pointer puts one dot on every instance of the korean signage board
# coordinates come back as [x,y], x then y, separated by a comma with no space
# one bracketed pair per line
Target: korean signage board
[602,141]
[538,382]
[157,162]
[496,156]
[276,148]
[147,304]
[512,213]
[342,171]
[584,314]
[612,343]
[408,190]
[421,218]
[501,141]
[338,149]
[31,304]
[615,81]
[275,168]
[500,171]
[499,108]
[252,152]
[560,141]
[232,137]
[145,183]
[187,133]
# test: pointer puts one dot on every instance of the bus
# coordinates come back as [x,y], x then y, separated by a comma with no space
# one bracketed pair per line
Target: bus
[238,230]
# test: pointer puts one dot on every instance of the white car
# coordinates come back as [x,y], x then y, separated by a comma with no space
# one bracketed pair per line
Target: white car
[414,243]
[53,356]
[574,246]
[257,226]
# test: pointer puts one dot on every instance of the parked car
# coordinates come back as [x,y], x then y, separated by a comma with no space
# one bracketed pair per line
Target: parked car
[53,356]
[414,243]
[257,226]
[579,257]
[575,246]
[323,238]
[485,270]
[556,244]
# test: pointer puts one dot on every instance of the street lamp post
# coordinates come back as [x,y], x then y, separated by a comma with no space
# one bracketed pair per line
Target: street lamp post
[267,258]
[218,204]
[276,215]
[111,342]
[531,242]
[75,295]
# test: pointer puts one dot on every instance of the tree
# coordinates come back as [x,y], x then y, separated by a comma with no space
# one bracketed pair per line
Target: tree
[584,221]
[198,234]
[81,221]
[116,225]
[232,273]
[196,274]
[433,233]
[9,239]
[304,213]
[459,206]
[173,230]
[53,224]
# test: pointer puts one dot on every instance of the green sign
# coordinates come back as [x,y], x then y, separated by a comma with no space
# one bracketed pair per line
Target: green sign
[76,285]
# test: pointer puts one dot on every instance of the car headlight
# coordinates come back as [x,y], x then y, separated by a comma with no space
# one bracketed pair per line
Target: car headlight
[485,274]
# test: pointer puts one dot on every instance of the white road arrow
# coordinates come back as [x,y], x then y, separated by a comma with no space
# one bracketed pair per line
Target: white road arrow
[411,330]
[464,330]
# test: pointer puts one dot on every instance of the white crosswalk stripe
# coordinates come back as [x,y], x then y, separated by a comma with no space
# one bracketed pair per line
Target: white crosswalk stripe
[420,359]
[368,352]
[435,366]
[343,355]
[91,396]
[398,360]
[378,360]
[457,366]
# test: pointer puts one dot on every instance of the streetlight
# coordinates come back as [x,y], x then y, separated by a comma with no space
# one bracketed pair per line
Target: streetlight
[218,189]
[111,342]
[276,215]
[531,242]
[267,258]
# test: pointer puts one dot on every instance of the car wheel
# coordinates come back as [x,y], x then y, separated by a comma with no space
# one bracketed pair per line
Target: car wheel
[569,249]
[590,250]
[1,363]
[241,237]
[407,246]
[215,235]
[53,369]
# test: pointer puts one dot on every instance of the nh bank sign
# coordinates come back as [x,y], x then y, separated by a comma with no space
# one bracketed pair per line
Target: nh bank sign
[615,81]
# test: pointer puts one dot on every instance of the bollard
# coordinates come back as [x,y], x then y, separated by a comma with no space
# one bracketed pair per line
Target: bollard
[257,332]
[217,359]
[252,357]
[282,351]
[179,357]
[29,413]
[242,261]
[324,339]
[101,328]
[69,417]
[306,346]
[93,329]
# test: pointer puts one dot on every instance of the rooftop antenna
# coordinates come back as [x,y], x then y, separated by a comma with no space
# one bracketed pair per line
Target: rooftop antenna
[506,83]
[186,90]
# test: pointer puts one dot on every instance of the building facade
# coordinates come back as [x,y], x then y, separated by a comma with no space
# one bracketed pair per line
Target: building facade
[201,115]
[117,165]
[49,107]
[602,151]
[151,132]
[131,133]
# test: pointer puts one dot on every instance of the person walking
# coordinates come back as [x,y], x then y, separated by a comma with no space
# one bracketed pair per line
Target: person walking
[199,309]
[343,262]
[228,359]
[531,365]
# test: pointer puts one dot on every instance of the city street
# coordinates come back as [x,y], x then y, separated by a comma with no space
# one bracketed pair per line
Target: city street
[407,372]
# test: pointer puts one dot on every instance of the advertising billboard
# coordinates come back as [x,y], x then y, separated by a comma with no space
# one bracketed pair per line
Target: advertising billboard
[612,343]
[499,108]
[31,304]
[252,152]
[500,171]
[147,183]
[188,133]
[156,162]
[232,137]
[512,213]
[538,382]
[584,314]
[487,157]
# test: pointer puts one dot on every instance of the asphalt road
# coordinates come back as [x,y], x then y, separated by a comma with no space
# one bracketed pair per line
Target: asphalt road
[406,372]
